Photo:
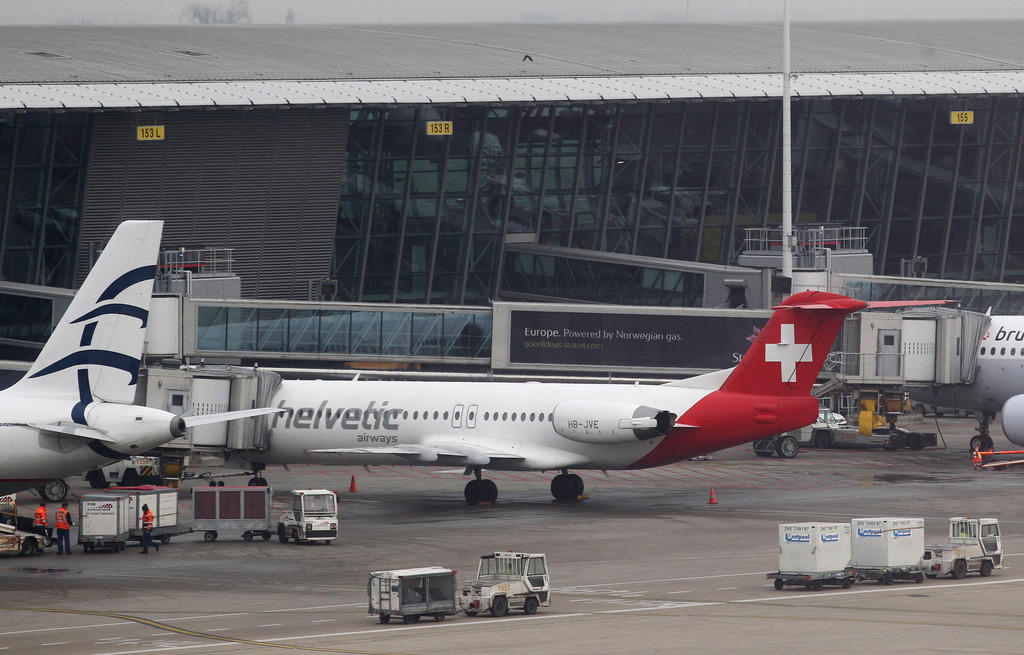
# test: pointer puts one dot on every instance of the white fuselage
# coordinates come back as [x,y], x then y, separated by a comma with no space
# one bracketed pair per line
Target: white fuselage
[511,418]
[999,374]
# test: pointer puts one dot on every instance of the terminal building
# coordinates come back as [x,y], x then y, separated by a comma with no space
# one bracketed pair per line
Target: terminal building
[431,177]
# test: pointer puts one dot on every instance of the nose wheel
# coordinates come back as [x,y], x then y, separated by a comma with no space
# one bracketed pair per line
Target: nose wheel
[567,486]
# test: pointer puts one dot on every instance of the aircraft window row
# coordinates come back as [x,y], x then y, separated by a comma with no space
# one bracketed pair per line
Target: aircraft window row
[522,417]
[1002,351]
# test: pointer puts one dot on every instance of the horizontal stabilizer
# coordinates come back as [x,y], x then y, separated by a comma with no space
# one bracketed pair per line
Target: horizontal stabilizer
[908,303]
[221,417]
[68,429]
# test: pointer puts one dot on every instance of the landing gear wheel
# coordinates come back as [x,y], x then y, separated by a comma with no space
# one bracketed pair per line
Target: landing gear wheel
[211,535]
[787,447]
[531,605]
[779,584]
[489,491]
[383,618]
[499,606]
[473,492]
[981,443]
[562,487]
[959,569]
[282,536]
[54,491]
[258,482]
[247,536]
[577,484]
[986,569]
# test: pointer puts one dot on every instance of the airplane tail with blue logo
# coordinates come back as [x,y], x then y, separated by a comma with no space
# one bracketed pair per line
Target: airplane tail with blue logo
[95,351]
[790,350]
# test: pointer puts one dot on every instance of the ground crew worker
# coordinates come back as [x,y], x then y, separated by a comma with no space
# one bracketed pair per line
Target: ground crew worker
[147,530]
[64,523]
[41,525]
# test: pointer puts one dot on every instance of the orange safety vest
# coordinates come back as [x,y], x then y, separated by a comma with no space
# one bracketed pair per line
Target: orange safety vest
[147,520]
[41,516]
[62,519]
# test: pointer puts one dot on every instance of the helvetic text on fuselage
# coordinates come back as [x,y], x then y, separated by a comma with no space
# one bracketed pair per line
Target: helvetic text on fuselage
[370,417]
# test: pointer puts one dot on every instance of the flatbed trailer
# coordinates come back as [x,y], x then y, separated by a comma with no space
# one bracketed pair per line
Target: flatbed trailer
[814,581]
[889,574]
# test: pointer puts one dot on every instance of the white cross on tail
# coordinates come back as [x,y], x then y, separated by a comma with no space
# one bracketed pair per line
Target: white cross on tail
[788,353]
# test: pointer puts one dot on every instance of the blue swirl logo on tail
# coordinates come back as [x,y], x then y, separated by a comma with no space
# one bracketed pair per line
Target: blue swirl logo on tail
[99,357]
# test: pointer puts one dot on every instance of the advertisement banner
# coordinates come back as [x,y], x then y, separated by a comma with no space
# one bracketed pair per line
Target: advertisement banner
[629,340]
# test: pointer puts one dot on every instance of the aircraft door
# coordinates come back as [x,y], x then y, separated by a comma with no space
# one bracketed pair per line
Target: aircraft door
[457,416]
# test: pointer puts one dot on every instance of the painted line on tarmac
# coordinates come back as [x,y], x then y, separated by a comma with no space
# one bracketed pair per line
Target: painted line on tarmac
[315,607]
[902,588]
[696,577]
[383,632]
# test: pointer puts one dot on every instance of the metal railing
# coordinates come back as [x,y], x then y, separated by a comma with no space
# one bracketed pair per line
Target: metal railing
[808,238]
[185,264]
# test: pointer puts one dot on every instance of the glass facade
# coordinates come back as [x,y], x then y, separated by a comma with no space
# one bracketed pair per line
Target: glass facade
[422,218]
[25,318]
[420,334]
[42,176]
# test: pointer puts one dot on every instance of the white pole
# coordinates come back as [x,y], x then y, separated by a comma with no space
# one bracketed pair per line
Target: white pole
[787,154]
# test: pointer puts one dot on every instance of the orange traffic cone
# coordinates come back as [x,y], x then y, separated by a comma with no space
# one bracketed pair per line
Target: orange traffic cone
[352,485]
[712,500]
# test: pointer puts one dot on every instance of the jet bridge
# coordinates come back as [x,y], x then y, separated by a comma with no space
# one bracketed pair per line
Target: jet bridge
[915,347]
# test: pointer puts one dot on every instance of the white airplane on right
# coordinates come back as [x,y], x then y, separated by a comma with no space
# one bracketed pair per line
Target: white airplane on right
[998,383]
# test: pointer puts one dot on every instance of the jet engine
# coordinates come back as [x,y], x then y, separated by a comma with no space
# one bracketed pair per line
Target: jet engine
[594,421]
[134,428]
[1013,419]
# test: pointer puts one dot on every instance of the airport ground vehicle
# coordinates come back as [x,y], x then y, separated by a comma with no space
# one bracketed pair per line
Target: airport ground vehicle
[105,521]
[410,594]
[16,535]
[972,546]
[313,517]
[136,470]
[783,445]
[813,555]
[163,501]
[505,581]
[237,509]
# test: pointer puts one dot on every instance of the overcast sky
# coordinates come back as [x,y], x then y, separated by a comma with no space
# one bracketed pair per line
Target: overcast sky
[447,11]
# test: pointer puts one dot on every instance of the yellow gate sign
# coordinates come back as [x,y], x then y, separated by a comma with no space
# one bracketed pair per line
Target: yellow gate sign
[439,128]
[961,118]
[149,133]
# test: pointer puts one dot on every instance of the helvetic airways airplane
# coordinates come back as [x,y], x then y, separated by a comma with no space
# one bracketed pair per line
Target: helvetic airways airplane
[73,408]
[541,426]
[998,383]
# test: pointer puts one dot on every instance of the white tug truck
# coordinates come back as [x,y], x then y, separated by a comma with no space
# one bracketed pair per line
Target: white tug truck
[313,517]
[507,580]
[972,546]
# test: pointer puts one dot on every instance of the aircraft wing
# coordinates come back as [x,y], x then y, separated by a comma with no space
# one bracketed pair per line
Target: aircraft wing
[63,429]
[474,455]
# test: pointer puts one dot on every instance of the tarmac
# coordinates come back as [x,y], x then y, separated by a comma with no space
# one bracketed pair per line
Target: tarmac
[643,565]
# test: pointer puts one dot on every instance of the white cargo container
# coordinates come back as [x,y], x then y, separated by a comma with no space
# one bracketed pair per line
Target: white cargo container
[887,542]
[813,547]
[162,501]
[104,521]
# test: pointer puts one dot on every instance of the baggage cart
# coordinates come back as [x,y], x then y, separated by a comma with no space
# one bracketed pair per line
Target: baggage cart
[162,501]
[410,594]
[814,581]
[104,521]
[888,574]
[232,509]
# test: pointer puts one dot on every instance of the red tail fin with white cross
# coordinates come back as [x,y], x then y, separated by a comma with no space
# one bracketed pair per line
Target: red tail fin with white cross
[788,354]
